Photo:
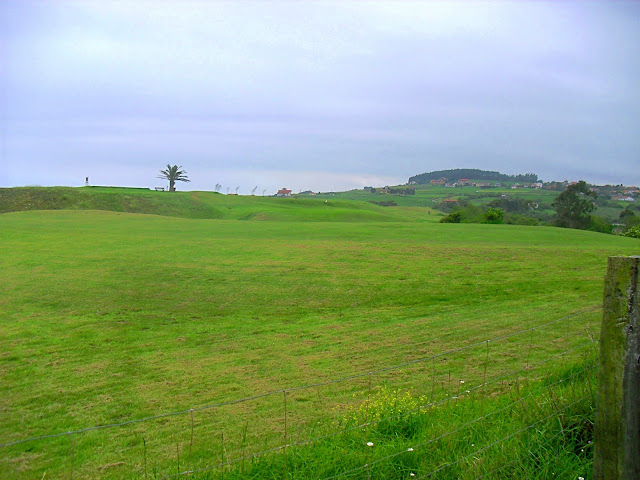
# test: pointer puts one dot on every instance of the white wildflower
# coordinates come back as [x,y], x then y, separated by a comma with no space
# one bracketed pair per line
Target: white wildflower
[409,449]
[369,444]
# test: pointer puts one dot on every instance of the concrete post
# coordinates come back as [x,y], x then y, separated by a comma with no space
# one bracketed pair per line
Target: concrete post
[617,428]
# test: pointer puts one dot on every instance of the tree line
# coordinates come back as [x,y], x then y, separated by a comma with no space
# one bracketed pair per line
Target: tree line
[473,174]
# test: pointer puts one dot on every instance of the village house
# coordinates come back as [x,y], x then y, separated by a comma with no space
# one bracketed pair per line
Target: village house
[283,192]
[440,181]
[623,199]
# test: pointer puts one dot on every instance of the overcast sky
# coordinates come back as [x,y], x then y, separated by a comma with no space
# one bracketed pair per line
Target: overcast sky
[316,95]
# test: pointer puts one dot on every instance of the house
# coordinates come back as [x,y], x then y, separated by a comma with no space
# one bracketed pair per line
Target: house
[623,199]
[440,181]
[462,182]
[283,192]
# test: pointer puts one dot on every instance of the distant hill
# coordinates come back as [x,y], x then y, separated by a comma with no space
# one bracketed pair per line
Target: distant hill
[472,174]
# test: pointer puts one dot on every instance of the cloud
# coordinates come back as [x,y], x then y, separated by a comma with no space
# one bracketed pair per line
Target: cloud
[346,88]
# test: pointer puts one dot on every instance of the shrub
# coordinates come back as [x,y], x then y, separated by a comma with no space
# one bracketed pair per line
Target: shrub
[633,232]
[455,217]
[386,203]
[599,224]
[493,215]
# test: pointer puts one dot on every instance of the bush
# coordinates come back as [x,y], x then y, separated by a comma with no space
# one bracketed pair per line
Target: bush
[633,232]
[386,203]
[493,215]
[599,224]
[455,217]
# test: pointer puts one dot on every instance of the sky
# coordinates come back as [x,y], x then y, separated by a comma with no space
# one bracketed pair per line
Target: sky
[316,95]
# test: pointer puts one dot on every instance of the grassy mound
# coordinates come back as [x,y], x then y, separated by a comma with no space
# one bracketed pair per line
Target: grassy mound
[201,205]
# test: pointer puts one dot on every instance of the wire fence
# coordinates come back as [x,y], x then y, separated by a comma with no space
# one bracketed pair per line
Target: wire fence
[426,418]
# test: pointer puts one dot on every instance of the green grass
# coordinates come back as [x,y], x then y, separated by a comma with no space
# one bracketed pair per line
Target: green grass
[430,196]
[203,205]
[110,316]
[537,430]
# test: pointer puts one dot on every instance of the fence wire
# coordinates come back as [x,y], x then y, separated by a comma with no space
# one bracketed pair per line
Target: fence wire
[480,388]
[464,426]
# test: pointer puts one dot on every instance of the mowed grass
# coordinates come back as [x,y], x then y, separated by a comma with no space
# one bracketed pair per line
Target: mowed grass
[106,317]
[430,195]
[205,205]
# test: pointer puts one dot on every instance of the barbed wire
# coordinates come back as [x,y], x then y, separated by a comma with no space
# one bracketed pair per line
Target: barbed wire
[511,435]
[532,393]
[305,387]
[462,427]
[519,458]
[436,403]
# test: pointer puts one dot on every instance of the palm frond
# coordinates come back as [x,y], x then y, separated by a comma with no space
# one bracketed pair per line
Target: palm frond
[174,174]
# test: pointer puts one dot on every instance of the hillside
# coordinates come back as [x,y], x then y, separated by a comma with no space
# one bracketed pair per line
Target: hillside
[200,205]
[528,205]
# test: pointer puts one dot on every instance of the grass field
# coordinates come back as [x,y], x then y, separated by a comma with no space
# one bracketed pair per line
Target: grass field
[109,316]
[204,205]
[431,196]
[428,195]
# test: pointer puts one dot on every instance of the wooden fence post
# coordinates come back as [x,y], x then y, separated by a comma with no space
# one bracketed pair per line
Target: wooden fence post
[617,428]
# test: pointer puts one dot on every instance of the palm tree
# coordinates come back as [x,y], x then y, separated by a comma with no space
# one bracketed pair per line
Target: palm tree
[174,174]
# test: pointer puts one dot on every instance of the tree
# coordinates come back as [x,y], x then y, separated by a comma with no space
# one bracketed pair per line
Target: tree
[574,205]
[173,174]
[629,218]
[493,215]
